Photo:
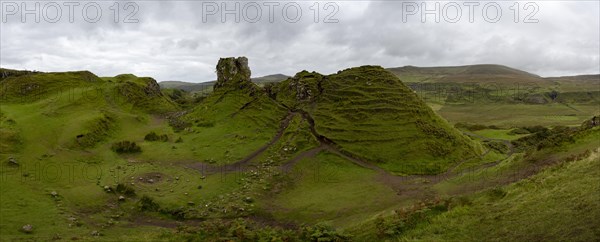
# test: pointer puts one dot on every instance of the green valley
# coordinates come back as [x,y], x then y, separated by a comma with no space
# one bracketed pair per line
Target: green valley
[468,153]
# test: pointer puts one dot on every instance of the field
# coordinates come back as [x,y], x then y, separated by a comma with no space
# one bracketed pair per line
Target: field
[362,155]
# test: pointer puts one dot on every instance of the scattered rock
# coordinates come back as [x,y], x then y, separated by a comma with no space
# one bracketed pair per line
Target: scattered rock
[28,229]
[54,193]
[95,233]
[121,198]
[13,162]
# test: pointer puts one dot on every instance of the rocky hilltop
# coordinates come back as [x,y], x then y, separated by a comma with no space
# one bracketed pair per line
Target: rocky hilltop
[233,72]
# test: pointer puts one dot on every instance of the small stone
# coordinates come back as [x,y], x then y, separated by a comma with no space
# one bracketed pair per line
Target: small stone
[151,181]
[177,178]
[13,162]
[28,229]
[95,233]
[121,198]
[54,193]
[186,193]
[203,177]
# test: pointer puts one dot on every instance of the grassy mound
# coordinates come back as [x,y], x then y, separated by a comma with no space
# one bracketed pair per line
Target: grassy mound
[371,114]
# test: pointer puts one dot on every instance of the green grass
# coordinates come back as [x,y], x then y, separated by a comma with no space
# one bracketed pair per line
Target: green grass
[517,115]
[331,188]
[366,111]
[557,204]
[498,134]
[371,114]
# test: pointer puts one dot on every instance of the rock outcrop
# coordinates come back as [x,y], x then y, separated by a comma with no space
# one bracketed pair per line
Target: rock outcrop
[233,72]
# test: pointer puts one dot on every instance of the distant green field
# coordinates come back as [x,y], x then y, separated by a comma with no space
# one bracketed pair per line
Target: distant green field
[509,116]
[498,134]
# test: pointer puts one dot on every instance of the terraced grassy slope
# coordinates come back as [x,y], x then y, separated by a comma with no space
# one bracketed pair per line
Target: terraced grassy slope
[370,114]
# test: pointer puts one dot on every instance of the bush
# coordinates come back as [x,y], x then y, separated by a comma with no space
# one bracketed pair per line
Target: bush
[125,190]
[473,127]
[126,147]
[497,145]
[519,131]
[146,203]
[408,218]
[231,230]
[155,137]
[322,232]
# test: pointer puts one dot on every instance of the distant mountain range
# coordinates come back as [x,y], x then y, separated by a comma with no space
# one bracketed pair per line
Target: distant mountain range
[191,87]
[444,74]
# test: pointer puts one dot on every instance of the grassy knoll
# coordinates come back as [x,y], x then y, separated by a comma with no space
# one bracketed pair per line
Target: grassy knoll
[371,114]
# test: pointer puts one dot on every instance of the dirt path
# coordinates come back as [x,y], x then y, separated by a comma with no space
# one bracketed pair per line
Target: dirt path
[415,184]
[206,168]
[393,181]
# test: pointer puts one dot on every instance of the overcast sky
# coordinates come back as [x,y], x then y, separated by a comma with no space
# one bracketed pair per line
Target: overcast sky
[183,40]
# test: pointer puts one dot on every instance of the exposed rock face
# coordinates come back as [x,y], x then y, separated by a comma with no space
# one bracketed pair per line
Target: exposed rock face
[306,85]
[152,88]
[233,72]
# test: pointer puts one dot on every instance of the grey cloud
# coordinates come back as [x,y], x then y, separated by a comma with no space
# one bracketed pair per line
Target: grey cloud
[172,42]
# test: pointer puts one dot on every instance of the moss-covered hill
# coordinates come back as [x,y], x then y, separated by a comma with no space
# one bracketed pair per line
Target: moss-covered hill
[370,114]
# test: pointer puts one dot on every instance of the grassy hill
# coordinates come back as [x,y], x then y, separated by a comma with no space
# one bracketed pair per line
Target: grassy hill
[372,115]
[355,155]
[464,74]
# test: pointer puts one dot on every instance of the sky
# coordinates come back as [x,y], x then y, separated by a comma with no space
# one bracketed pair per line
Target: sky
[183,40]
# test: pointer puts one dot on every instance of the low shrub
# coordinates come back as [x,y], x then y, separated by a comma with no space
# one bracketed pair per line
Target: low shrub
[126,147]
[146,203]
[125,190]
[152,136]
